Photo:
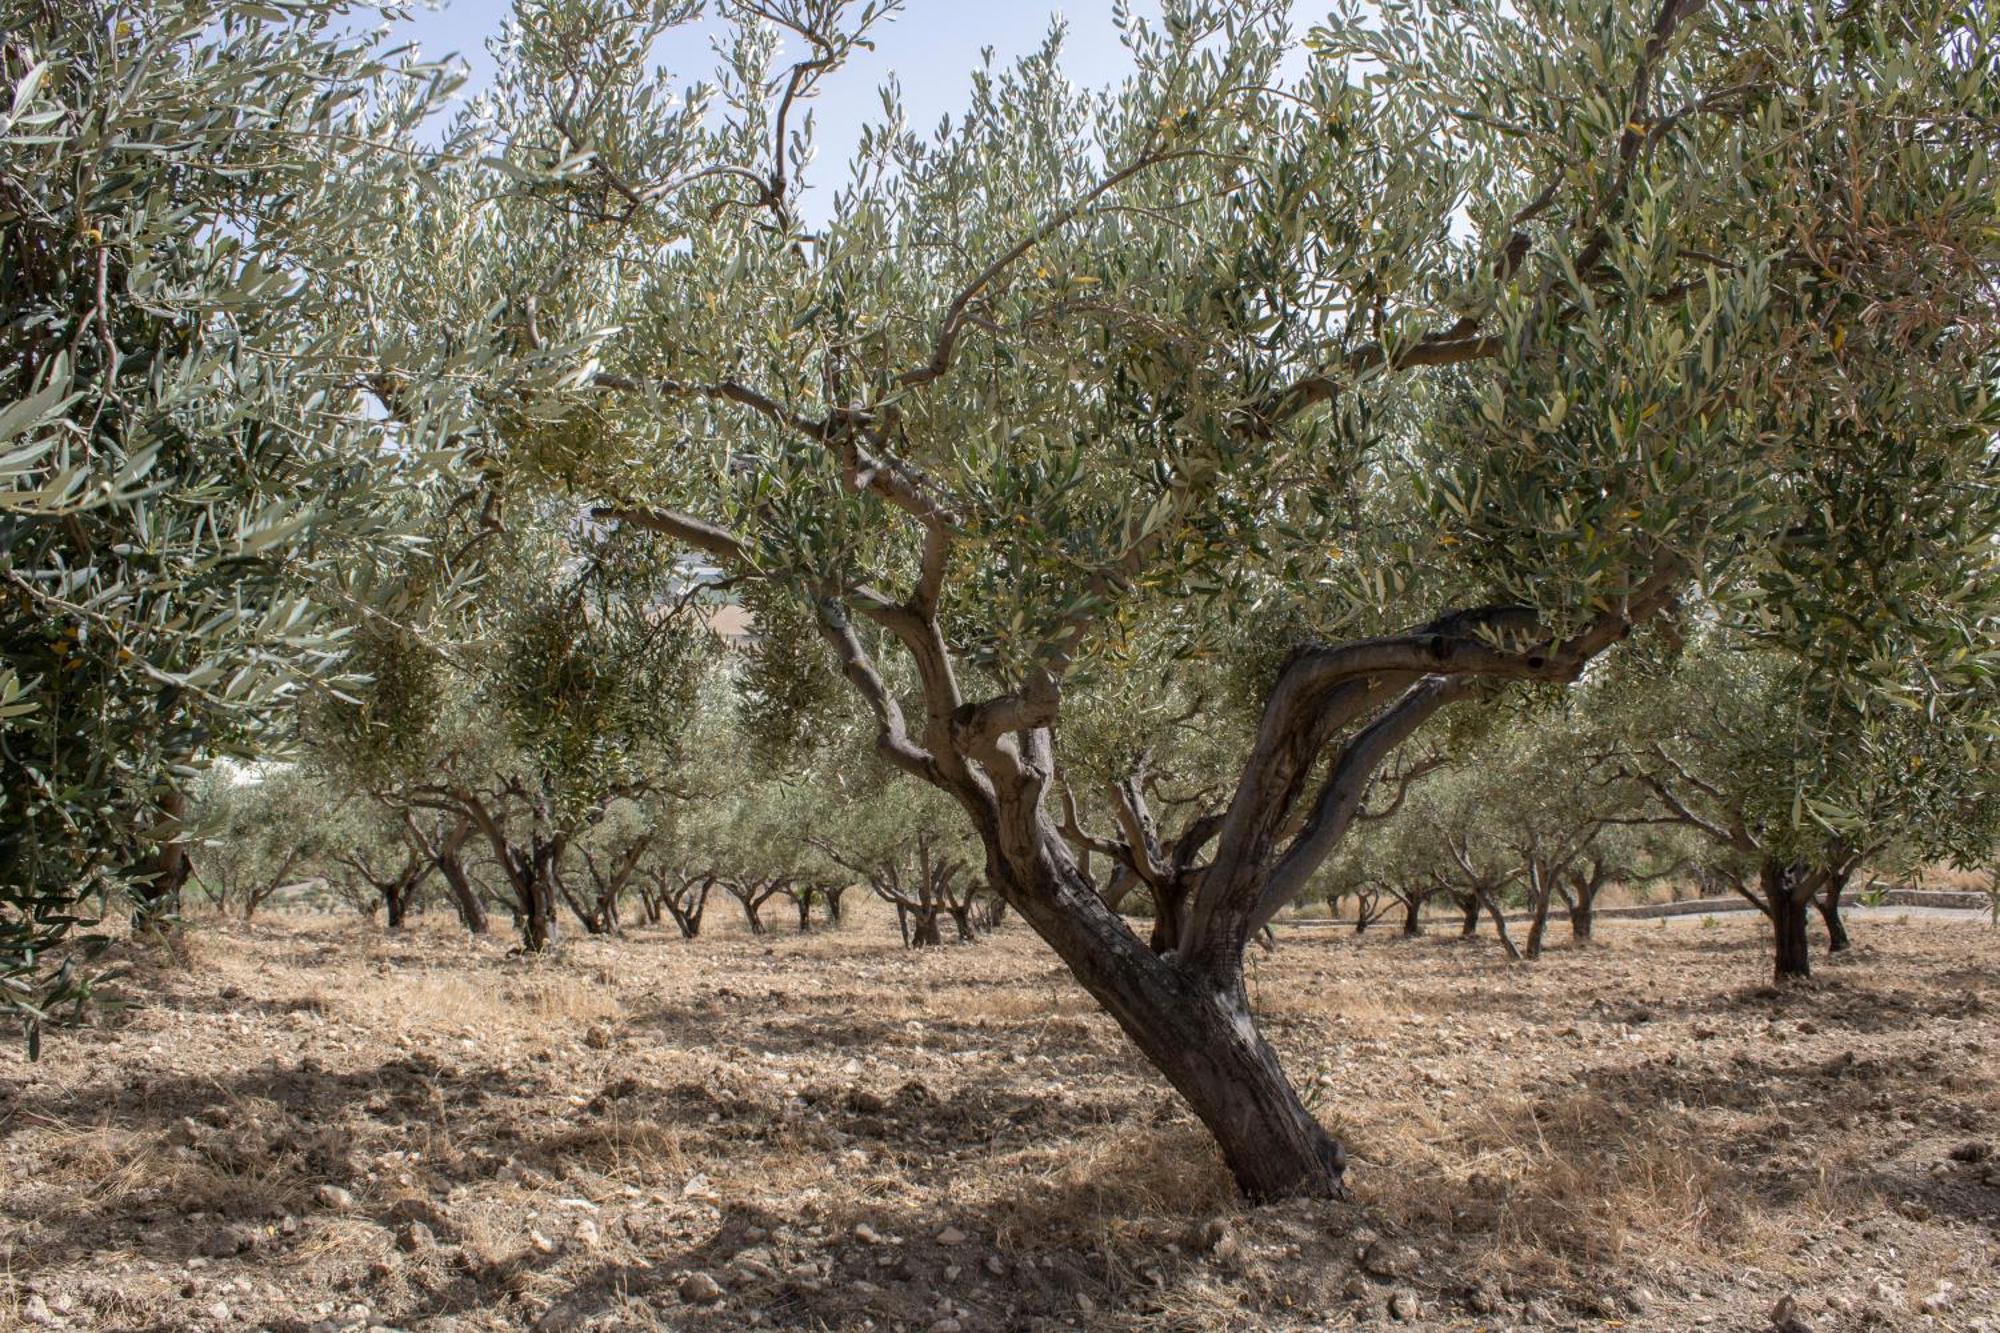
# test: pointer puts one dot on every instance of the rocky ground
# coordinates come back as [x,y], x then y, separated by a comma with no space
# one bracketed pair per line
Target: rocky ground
[309,1125]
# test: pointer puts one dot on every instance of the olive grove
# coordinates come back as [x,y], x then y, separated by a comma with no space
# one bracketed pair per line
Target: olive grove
[1497,335]
[1420,454]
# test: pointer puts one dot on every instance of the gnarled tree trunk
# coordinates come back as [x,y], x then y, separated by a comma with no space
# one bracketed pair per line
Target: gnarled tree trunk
[1195,1025]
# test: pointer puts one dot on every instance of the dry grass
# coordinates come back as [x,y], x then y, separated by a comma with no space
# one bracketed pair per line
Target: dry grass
[577,1133]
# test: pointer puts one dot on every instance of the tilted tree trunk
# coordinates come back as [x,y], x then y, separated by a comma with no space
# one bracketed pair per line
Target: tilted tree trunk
[1491,903]
[446,850]
[1195,1025]
[1540,886]
[1333,716]
[465,899]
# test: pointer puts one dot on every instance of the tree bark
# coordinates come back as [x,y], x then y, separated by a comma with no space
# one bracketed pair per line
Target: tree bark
[753,912]
[1469,904]
[1786,894]
[1829,911]
[396,902]
[465,898]
[686,903]
[1197,1029]
[1413,915]
[924,932]
[158,886]
[538,923]
[1364,911]
[1169,915]
[1582,920]
[1499,918]
[1539,925]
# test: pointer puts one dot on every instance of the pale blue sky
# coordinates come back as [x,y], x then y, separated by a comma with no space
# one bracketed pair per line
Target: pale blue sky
[932,47]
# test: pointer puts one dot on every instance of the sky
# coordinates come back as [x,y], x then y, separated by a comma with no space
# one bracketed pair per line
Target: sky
[931,47]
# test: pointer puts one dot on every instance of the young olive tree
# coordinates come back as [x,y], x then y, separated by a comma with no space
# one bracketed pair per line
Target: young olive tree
[527,718]
[259,831]
[1793,790]
[1476,346]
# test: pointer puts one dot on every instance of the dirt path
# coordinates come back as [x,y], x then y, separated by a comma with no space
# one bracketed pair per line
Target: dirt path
[317,1127]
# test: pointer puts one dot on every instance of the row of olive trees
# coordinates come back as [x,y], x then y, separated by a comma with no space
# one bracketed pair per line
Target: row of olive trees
[1486,348]
[1162,467]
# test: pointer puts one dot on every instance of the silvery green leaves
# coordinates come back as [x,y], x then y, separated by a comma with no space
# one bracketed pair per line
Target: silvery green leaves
[187,461]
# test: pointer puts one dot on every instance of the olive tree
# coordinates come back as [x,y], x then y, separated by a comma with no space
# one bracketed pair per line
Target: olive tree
[525,717]
[187,459]
[260,830]
[1478,345]
[1793,790]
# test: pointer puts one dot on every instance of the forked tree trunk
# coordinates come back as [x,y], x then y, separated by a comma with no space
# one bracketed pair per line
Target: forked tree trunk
[1196,1029]
[686,904]
[923,931]
[1413,915]
[1469,904]
[836,914]
[649,904]
[751,898]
